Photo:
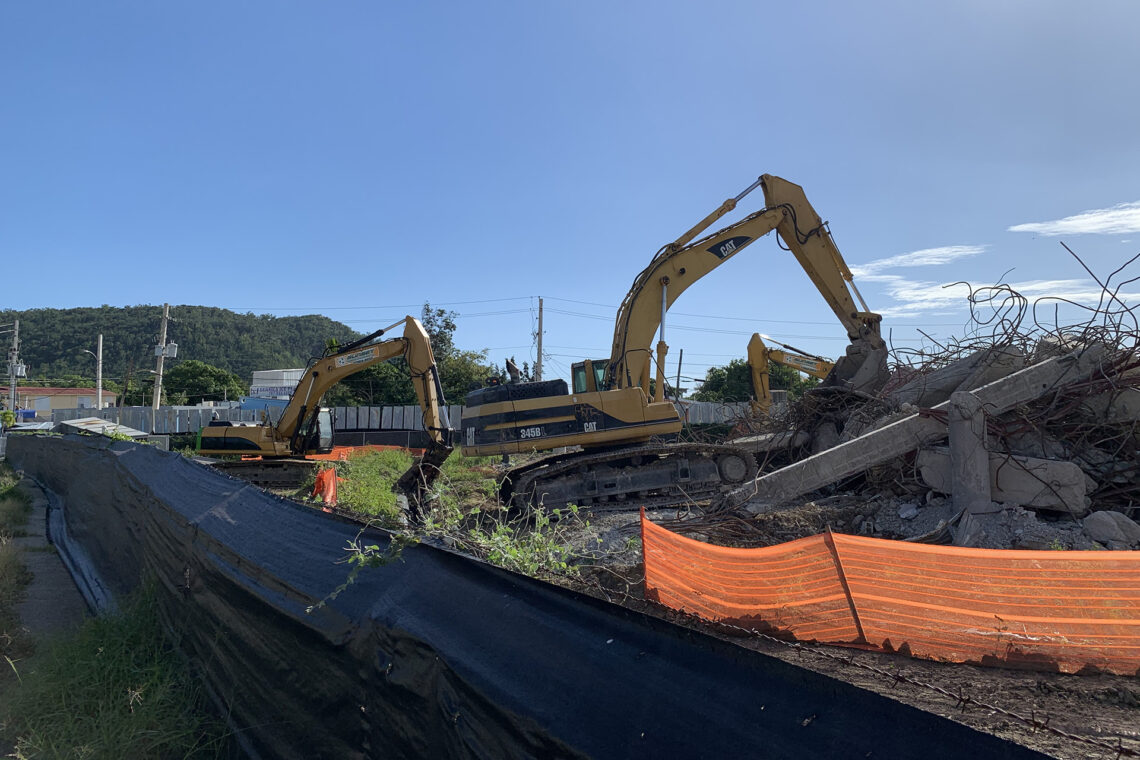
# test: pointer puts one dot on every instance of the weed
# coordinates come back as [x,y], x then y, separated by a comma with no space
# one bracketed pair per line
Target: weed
[368,481]
[114,689]
[15,506]
[534,547]
[14,578]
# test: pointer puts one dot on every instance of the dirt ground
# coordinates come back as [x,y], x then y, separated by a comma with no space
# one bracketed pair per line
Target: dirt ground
[1100,712]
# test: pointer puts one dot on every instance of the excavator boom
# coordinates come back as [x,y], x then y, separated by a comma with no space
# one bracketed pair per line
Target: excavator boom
[681,263]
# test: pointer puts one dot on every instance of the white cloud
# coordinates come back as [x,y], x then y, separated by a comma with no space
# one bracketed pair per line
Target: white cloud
[924,299]
[1117,220]
[925,257]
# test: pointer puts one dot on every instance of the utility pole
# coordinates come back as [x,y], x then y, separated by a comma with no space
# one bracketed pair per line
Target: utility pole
[160,354]
[538,361]
[14,366]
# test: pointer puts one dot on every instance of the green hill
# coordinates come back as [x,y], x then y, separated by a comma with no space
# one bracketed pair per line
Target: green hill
[52,340]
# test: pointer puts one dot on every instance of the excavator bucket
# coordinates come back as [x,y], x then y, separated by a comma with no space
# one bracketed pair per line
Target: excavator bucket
[417,482]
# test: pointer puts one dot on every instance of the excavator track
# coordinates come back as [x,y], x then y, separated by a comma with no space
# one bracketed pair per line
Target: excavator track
[280,474]
[628,478]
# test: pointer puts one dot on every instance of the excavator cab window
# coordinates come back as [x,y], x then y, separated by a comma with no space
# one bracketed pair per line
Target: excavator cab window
[589,376]
[599,367]
[324,430]
[578,376]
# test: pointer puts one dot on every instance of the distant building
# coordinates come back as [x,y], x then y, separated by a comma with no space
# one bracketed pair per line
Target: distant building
[44,400]
[275,383]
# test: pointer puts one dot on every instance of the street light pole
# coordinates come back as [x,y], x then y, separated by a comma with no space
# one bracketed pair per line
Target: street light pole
[99,374]
[98,354]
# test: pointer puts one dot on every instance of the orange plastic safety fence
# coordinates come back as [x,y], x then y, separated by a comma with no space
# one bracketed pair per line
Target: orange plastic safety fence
[325,486]
[1064,610]
[341,453]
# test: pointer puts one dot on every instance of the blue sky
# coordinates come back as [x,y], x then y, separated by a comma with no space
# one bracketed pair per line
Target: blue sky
[357,159]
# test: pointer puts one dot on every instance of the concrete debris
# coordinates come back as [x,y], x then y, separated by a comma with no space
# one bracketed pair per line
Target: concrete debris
[1006,443]
[1116,407]
[934,386]
[766,442]
[1023,481]
[969,459]
[914,431]
[1109,526]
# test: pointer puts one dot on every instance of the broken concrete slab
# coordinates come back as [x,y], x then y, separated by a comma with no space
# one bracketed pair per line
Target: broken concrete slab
[1120,406]
[911,433]
[762,444]
[1109,526]
[978,369]
[967,530]
[999,362]
[975,370]
[1024,481]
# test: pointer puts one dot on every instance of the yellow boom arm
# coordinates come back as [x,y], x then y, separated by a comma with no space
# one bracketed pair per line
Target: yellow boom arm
[329,370]
[760,356]
[681,263]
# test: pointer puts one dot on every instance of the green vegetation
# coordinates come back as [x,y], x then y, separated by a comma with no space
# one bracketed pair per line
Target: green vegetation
[14,504]
[14,577]
[191,382]
[368,480]
[116,689]
[53,341]
[733,382]
[463,513]
[219,350]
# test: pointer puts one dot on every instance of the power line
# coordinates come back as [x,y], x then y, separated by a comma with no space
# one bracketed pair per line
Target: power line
[375,306]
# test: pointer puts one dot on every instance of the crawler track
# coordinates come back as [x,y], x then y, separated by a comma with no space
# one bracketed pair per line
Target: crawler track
[651,476]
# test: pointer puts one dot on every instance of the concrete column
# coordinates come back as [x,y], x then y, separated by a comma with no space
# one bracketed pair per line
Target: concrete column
[969,460]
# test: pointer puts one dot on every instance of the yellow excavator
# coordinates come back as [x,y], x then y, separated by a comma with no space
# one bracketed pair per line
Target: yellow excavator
[609,411]
[305,427]
[760,356]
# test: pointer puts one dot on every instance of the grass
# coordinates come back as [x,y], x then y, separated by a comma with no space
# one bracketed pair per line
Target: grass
[368,480]
[115,689]
[14,576]
[463,512]
[14,503]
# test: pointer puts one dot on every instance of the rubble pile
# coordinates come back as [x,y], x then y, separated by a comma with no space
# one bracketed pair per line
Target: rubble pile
[1012,438]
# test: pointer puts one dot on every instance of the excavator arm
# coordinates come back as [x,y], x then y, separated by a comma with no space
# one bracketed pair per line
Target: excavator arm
[330,369]
[681,263]
[760,356]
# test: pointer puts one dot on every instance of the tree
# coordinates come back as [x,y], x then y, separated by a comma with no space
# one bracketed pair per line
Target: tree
[387,383]
[191,382]
[733,382]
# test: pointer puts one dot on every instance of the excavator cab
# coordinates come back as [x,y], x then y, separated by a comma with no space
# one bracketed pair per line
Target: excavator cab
[589,376]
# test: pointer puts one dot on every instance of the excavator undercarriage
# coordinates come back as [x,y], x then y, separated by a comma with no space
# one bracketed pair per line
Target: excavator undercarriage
[652,475]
